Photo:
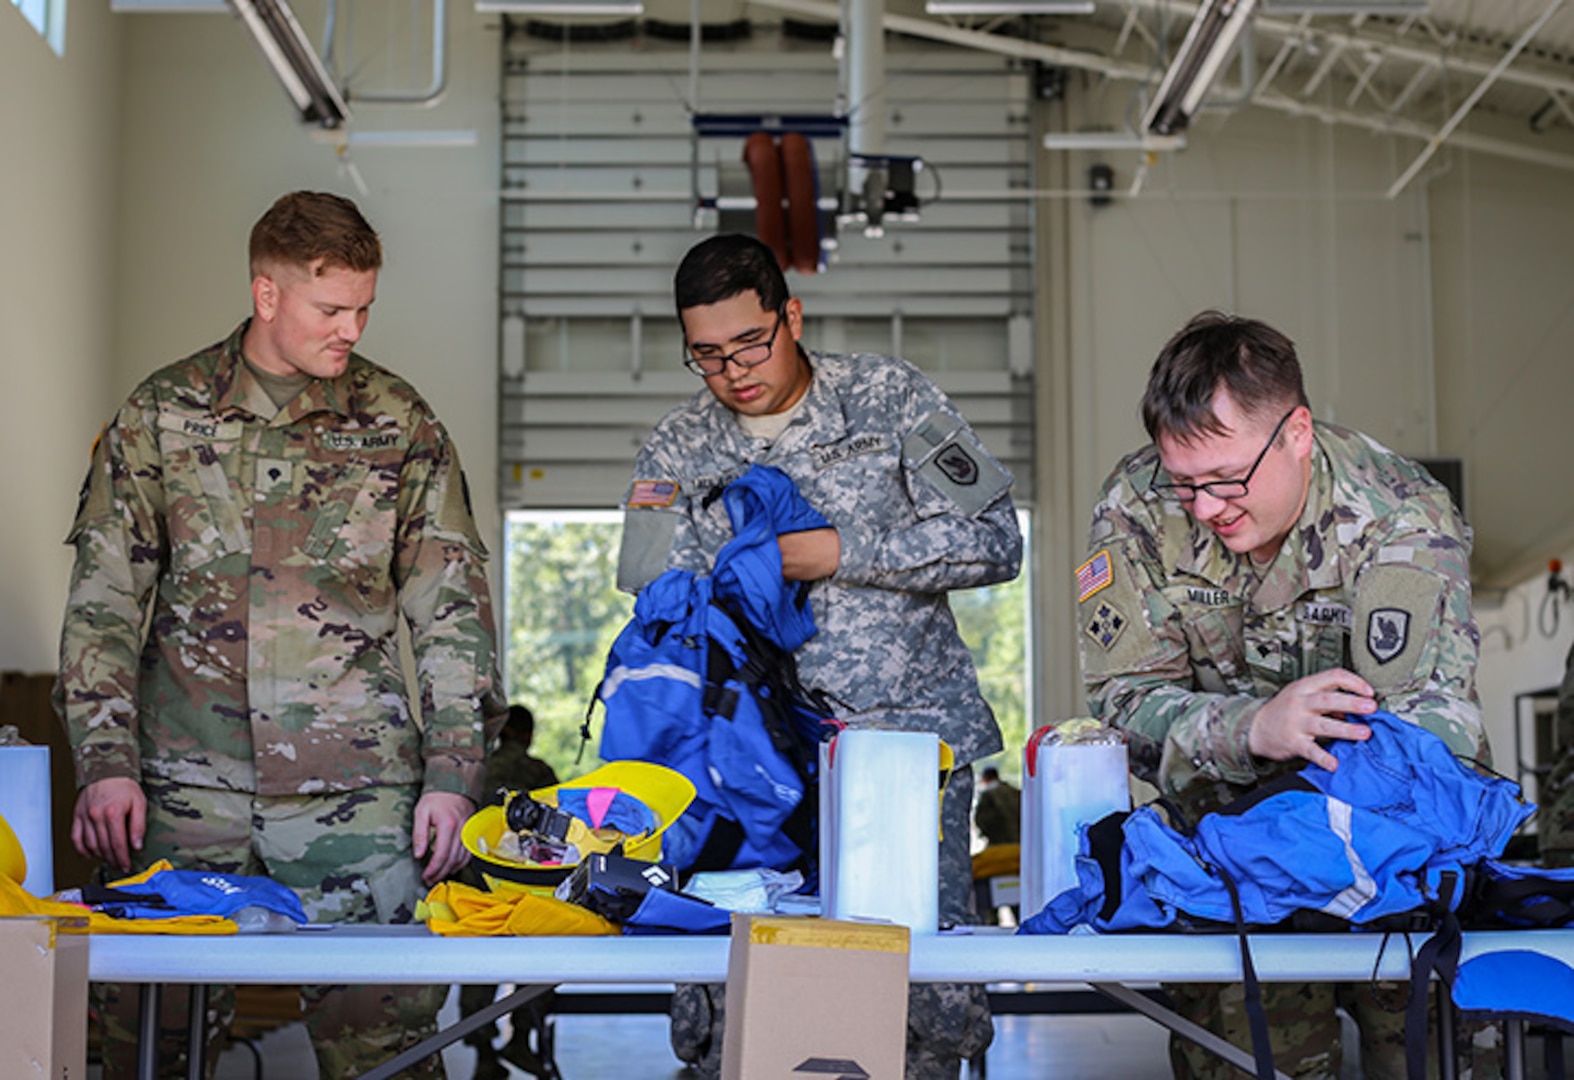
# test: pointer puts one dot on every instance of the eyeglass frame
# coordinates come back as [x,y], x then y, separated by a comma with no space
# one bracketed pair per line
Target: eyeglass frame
[1174,491]
[693,363]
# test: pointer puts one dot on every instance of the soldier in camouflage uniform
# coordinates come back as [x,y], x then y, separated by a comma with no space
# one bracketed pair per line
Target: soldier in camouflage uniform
[255,521]
[1251,578]
[917,508]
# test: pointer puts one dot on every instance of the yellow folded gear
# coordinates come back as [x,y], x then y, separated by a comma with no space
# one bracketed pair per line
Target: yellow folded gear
[15,900]
[454,909]
[997,859]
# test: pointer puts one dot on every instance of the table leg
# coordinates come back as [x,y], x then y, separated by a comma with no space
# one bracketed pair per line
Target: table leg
[1183,1027]
[1447,1066]
[147,1032]
[1514,1048]
[452,1034]
[197,1033]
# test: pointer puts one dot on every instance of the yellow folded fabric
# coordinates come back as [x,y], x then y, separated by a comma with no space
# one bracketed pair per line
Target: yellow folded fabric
[454,909]
[997,859]
[15,900]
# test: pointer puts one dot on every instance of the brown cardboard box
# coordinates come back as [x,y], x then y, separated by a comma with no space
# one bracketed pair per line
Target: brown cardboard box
[43,1001]
[815,998]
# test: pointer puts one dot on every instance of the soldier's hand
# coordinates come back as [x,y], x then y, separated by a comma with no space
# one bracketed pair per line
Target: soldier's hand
[439,821]
[810,555]
[1290,723]
[110,820]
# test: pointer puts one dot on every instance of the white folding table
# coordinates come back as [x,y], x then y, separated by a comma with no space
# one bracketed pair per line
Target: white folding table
[412,955]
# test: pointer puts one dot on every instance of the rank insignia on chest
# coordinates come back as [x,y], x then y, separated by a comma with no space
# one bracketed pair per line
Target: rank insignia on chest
[1093,575]
[1106,625]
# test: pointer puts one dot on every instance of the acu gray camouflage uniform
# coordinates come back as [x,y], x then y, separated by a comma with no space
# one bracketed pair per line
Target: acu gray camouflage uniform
[921,508]
[1183,641]
[269,553]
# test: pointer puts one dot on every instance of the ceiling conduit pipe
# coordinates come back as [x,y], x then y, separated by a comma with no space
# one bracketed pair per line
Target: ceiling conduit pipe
[863,29]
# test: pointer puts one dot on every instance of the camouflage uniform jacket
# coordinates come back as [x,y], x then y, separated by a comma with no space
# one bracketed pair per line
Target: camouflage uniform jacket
[1182,640]
[276,556]
[865,450]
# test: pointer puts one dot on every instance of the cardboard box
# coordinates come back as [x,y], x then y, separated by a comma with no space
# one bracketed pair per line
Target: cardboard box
[815,998]
[43,1001]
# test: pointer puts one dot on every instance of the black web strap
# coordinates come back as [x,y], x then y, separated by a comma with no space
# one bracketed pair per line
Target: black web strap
[1262,1049]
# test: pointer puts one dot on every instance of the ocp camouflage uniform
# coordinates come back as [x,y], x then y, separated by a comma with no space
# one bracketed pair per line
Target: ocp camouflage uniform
[921,509]
[1555,818]
[1183,641]
[270,552]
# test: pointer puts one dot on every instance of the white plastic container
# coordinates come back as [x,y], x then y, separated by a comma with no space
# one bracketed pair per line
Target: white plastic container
[1074,773]
[880,828]
[24,803]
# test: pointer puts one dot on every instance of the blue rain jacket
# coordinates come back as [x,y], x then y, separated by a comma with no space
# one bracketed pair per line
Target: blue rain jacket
[1370,839]
[664,704]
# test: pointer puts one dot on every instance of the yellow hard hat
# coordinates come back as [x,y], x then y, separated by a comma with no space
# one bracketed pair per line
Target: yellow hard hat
[13,860]
[665,792]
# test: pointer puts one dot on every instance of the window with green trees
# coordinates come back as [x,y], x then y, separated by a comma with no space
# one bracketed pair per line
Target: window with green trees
[562,610]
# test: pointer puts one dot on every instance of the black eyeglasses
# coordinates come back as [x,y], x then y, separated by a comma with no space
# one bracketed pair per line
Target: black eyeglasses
[1221,489]
[749,356]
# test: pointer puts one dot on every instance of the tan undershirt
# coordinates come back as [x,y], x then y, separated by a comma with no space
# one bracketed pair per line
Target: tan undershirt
[768,429]
[281,389]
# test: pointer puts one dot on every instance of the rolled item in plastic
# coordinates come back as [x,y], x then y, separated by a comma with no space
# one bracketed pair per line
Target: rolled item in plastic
[880,828]
[25,803]
[1074,774]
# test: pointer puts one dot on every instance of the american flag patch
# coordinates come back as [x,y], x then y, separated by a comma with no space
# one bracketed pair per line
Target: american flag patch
[653,493]
[1093,575]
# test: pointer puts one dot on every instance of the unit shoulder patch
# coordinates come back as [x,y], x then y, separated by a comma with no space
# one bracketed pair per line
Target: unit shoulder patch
[1106,625]
[1387,633]
[1397,614]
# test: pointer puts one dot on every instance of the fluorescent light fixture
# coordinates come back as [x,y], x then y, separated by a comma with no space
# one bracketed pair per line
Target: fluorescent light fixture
[284,46]
[1111,140]
[169,7]
[1201,58]
[1345,7]
[561,7]
[400,140]
[1009,7]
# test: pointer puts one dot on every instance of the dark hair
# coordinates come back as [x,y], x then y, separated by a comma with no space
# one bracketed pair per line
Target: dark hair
[725,265]
[304,227]
[521,724]
[991,773]
[1253,361]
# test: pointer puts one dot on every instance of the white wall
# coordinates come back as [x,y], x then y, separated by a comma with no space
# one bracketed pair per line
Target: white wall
[211,140]
[58,169]
[1503,237]
[1524,643]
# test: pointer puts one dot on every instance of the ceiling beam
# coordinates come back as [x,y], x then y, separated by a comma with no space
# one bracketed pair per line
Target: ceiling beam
[1392,48]
[1133,72]
[1469,103]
